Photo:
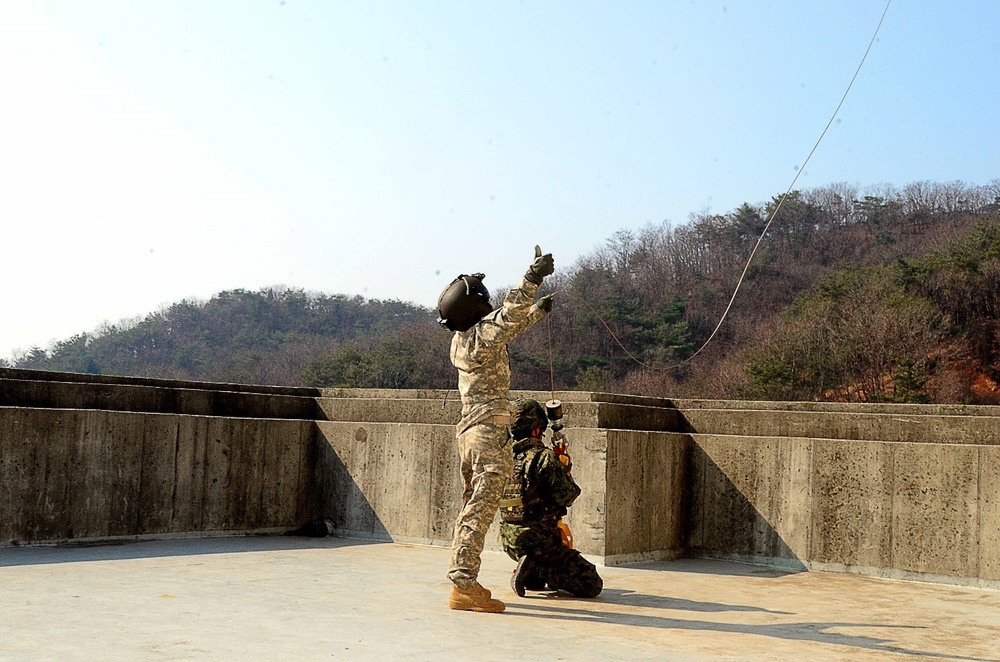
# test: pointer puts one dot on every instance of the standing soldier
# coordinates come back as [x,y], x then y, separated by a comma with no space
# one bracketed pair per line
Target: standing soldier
[535,499]
[479,351]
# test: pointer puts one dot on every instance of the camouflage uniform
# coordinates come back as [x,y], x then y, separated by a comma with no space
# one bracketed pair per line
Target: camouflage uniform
[533,502]
[480,354]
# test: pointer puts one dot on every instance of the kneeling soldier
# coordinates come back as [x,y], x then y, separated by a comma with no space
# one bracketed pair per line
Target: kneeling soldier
[535,499]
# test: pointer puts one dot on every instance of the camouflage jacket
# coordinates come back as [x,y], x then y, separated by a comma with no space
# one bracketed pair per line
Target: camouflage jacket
[537,494]
[480,354]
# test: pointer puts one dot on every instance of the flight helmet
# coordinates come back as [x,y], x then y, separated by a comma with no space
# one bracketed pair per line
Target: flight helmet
[464,302]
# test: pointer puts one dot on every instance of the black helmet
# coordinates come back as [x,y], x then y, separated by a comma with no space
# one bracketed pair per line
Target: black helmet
[528,415]
[464,302]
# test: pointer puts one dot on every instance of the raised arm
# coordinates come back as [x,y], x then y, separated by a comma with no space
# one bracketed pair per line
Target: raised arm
[519,309]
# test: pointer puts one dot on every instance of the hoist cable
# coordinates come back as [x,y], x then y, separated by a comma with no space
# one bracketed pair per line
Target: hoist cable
[552,374]
[767,225]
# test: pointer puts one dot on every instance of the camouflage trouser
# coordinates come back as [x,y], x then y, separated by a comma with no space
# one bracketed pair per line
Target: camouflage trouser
[487,462]
[557,566]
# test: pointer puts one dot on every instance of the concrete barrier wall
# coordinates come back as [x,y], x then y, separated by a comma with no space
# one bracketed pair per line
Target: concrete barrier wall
[647,476]
[392,481]
[388,480]
[89,474]
[401,481]
[901,491]
[169,397]
[903,510]
[118,380]
[750,499]
[868,426]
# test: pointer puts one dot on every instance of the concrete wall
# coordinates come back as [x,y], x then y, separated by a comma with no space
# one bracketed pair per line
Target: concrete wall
[633,504]
[91,474]
[894,490]
[908,494]
[923,511]
[39,389]
[647,497]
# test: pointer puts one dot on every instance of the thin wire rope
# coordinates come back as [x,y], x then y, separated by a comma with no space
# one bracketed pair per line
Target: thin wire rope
[767,225]
[552,374]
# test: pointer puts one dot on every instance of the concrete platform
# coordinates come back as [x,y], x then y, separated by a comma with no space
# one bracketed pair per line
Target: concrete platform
[283,598]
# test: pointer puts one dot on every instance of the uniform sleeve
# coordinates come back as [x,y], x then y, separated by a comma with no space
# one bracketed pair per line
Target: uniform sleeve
[559,485]
[517,313]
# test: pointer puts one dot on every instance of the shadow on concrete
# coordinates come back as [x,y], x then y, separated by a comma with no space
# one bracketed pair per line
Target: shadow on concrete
[817,632]
[341,498]
[143,549]
[628,598]
[703,566]
[725,523]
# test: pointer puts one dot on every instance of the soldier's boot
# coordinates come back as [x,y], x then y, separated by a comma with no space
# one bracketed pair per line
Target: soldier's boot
[476,598]
[535,583]
[522,575]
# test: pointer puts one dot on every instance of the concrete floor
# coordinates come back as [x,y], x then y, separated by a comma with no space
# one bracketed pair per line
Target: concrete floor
[285,598]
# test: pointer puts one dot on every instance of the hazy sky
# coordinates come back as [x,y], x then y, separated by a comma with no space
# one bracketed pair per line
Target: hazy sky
[156,151]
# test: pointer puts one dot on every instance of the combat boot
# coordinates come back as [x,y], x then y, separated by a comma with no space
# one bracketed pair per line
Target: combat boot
[522,575]
[476,598]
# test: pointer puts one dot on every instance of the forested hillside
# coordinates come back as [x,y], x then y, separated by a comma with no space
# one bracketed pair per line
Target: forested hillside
[872,295]
[266,337]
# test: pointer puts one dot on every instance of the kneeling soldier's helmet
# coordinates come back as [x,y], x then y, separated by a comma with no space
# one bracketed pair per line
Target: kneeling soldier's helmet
[464,302]
[528,415]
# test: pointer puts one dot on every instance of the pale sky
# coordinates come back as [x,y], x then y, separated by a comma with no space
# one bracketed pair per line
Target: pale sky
[156,151]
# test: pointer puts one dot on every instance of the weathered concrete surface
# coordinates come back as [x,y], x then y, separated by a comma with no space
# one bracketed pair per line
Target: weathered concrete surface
[172,398]
[751,498]
[451,395]
[306,599]
[858,408]
[389,481]
[988,500]
[83,474]
[578,412]
[888,509]
[858,426]
[647,477]
[852,511]
[892,490]
[87,378]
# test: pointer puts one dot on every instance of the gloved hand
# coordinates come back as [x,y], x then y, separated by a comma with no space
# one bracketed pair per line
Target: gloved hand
[545,303]
[566,461]
[541,267]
